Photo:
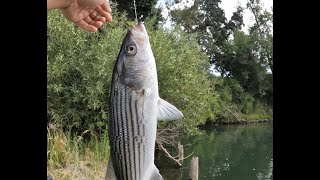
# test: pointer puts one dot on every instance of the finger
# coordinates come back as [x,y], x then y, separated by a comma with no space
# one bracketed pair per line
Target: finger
[102,19]
[106,7]
[109,17]
[103,13]
[97,24]
[94,15]
[82,24]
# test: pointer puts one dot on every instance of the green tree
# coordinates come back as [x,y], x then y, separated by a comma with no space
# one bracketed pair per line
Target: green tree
[207,19]
[263,29]
[242,62]
[247,58]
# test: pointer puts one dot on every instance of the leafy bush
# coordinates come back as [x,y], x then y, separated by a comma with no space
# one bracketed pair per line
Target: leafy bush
[236,103]
[80,67]
[183,75]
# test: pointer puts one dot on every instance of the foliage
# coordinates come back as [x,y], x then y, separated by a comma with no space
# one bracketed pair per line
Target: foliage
[79,72]
[243,64]
[236,103]
[248,58]
[207,19]
[80,66]
[183,75]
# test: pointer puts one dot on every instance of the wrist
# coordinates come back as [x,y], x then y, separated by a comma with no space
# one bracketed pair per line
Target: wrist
[57,4]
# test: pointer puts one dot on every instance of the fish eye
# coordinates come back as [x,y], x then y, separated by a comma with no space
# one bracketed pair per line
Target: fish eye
[131,49]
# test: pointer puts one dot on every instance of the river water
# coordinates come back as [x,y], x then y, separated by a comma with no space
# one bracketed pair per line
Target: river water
[235,152]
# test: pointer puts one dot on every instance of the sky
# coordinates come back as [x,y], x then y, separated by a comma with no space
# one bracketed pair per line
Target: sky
[229,6]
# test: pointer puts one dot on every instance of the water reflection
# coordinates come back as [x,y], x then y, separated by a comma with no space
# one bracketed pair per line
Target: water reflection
[227,152]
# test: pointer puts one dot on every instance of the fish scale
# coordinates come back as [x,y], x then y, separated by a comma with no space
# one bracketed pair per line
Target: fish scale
[135,107]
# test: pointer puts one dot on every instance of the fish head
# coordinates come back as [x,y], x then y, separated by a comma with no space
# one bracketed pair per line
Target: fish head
[136,66]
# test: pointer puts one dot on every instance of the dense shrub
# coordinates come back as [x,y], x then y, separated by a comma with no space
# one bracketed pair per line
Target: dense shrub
[80,68]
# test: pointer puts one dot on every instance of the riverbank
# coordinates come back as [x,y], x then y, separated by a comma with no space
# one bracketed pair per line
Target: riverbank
[243,121]
[71,157]
[209,124]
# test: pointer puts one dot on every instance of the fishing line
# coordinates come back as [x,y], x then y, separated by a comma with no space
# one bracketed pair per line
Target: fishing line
[135,9]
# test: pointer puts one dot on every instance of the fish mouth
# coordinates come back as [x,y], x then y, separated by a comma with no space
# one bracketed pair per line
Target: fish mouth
[140,27]
[139,33]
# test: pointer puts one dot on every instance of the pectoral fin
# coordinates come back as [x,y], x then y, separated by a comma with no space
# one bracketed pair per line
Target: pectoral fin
[167,111]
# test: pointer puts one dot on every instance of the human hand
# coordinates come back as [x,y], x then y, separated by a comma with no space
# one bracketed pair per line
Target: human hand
[87,14]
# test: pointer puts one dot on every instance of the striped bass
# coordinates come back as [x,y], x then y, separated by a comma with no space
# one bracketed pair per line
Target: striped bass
[135,107]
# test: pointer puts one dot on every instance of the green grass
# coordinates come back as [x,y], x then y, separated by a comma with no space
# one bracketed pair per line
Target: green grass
[72,157]
[259,113]
[255,116]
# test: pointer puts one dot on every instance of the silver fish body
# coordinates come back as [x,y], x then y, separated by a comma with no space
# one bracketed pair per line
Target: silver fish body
[135,107]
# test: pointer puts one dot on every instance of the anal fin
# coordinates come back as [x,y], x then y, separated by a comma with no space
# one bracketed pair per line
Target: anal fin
[156,174]
[110,175]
